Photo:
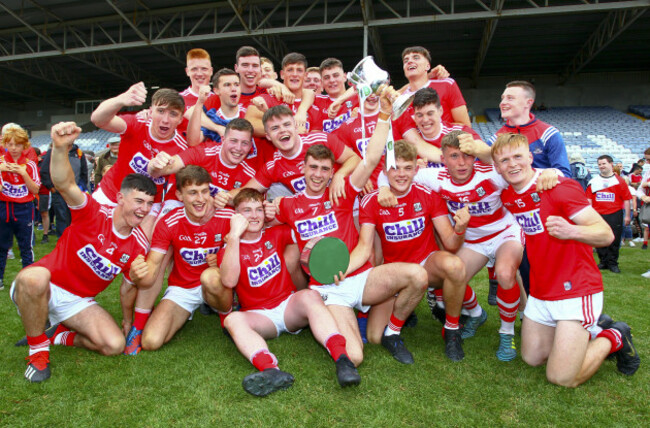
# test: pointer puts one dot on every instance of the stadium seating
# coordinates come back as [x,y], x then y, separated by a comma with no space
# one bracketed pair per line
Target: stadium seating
[94,140]
[643,111]
[589,131]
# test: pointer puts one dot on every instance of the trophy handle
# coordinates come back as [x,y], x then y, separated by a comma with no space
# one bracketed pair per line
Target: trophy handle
[401,104]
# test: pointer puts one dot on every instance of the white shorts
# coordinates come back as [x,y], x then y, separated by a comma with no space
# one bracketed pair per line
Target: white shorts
[348,293]
[62,304]
[422,263]
[490,247]
[276,315]
[101,197]
[187,298]
[585,309]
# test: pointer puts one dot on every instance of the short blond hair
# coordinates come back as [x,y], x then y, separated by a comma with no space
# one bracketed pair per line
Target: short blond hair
[508,140]
[405,151]
[19,135]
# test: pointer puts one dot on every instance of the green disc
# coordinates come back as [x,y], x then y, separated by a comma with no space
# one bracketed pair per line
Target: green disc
[328,257]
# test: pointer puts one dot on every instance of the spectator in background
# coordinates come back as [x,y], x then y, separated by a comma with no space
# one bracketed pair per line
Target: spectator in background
[635,176]
[107,159]
[579,171]
[90,164]
[313,80]
[20,183]
[80,169]
[609,195]
[43,204]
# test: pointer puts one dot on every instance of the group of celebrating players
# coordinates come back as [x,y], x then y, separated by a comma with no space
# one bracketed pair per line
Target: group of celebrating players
[226,185]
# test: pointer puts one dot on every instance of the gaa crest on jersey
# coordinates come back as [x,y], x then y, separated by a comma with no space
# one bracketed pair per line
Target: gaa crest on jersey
[237,185]
[530,222]
[327,205]
[535,197]
[217,237]
[270,267]
[124,258]
[417,207]
[348,104]
[196,256]
[567,286]
[317,226]
[404,230]
[100,265]
[268,245]
[480,191]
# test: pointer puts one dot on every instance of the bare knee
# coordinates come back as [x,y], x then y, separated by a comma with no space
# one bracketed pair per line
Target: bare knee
[418,278]
[356,356]
[506,276]
[211,280]
[561,379]
[112,345]
[454,269]
[232,321]
[32,282]
[151,340]
[532,359]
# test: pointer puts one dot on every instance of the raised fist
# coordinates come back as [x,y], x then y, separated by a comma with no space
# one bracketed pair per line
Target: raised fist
[136,95]
[64,134]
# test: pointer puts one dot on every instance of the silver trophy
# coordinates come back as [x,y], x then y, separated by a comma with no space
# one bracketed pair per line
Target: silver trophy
[367,77]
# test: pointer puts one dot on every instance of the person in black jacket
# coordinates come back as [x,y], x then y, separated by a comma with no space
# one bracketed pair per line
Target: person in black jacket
[80,168]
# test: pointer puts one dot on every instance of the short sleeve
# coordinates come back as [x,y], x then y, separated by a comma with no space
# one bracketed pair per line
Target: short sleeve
[162,238]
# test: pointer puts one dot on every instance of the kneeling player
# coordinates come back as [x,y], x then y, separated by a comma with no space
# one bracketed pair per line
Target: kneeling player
[193,231]
[253,263]
[559,326]
[100,243]
[406,231]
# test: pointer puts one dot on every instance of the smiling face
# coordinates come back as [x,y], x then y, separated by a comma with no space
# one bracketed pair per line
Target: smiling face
[250,71]
[282,132]
[605,167]
[515,105]
[293,77]
[235,146]
[228,90]
[460,165]
[428,119]
[400,178]
[318,173]
[199,70]
[333,81]
[415,65]
[135,205]
[195,198]
[164,121]
[514,163]
[253,211]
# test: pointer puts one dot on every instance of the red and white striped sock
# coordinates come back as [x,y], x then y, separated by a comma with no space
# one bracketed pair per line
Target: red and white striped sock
[470,303]
[508,303]
[452,323]
[263,360]
[439,299]
[394,326]
[65,338]
[140,317]
[614,336]
[38,344]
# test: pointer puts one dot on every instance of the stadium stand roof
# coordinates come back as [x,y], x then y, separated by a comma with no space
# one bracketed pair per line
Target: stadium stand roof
[64,51]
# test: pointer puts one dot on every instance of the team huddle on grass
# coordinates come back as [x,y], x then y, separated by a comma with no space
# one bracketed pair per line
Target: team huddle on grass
[226,187]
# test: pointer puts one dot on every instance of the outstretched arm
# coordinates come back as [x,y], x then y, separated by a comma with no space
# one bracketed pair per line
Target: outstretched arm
[63,136]
[105,115]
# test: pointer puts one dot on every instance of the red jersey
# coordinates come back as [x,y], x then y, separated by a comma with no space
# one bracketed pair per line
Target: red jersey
[190,97]
[608,195]
[445,128]
[225,177]
[246,99]
[264,281]
[481,192]
[137,148]
[13,185]
[350,134]
[191,243]
[90,253]
[312,216]
[559,269]
[406,230]
[312,113]
[288,171]
[322,104]
[450,98]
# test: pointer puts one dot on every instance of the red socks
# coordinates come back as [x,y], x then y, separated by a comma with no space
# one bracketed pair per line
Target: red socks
[140,317]
[451,323]
[508,303]
[394,325]
[614,336]
[335,345]
[263,360]
[38,344]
